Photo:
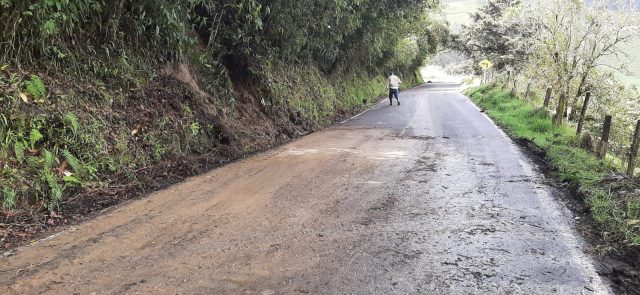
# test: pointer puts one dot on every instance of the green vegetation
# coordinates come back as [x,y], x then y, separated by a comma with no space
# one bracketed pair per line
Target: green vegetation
[571,47]
[103,100]
[616,213]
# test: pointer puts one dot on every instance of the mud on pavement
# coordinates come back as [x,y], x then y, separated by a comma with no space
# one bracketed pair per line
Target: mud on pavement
[256,225]
[426,198]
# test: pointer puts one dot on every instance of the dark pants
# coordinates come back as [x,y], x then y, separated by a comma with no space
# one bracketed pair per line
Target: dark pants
[393,93]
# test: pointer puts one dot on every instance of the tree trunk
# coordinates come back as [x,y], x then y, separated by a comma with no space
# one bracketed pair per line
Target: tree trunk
[581,90]
[583,113]
[633,153]
[604,141]
[562,106]
[547,97]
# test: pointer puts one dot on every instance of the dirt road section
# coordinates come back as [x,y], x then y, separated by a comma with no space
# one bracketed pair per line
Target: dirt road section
[429,197]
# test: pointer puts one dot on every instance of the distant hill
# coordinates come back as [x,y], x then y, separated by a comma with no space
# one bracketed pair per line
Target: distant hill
[632,63]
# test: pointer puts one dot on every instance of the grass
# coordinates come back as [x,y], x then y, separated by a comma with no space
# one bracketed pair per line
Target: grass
[616,213]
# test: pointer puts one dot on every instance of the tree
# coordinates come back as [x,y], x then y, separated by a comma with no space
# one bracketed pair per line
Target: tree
[573,39]
[496,35]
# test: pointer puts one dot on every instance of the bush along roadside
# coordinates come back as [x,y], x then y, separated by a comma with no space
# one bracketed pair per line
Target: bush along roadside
[612,198]
[70,147]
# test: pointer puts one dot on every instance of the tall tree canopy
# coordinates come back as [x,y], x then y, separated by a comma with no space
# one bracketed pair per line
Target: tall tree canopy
[333,34]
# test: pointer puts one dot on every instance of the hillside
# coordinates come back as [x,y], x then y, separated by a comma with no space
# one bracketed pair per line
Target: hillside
[105,101]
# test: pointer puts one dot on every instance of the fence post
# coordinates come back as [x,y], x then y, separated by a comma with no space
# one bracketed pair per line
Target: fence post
[633,153]
[583,113]
[528,91]
[604,141]
[547,97]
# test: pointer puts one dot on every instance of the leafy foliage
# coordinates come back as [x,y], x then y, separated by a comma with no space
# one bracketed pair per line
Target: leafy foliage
[568,46]
[36,29]
[56,190]
[497,35]
[34,137]
[70,126]
[71,121]
[36,87]
[49,160]
[19,149]
[333,34]
[74,162]
[572,164]
[9,198]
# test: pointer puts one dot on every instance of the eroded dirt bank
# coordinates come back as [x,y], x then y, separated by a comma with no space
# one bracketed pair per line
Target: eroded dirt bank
[429,197]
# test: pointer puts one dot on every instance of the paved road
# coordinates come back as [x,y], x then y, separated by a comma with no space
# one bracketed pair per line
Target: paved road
[424,198]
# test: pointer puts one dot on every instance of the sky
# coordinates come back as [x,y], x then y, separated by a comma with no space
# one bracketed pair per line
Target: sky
[457,11]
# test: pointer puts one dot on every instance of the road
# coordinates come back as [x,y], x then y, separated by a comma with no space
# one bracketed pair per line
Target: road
[429,197]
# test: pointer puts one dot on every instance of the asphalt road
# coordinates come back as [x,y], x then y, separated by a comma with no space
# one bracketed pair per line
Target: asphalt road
[429,197]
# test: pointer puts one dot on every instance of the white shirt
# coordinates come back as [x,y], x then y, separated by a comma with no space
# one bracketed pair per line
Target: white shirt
[394,82]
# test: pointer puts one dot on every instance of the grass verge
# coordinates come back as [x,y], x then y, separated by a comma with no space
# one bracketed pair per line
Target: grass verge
[611,198]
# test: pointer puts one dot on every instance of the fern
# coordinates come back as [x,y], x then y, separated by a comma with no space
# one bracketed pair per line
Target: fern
[71,120]
[56,190]
[19,148]
[49,160]
[9,139]
[74,162]
[34,137]
[36,87]
[9,198]
[34,163]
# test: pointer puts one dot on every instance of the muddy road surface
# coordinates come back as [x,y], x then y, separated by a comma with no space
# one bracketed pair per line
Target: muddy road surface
[429,197]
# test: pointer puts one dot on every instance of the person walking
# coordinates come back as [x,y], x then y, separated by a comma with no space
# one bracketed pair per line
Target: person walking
[393,84]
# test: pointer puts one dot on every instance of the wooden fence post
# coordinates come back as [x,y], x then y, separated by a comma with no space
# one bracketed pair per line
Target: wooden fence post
[528,91]
[633,153]
[547,97]
[604,141]
[583,113]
